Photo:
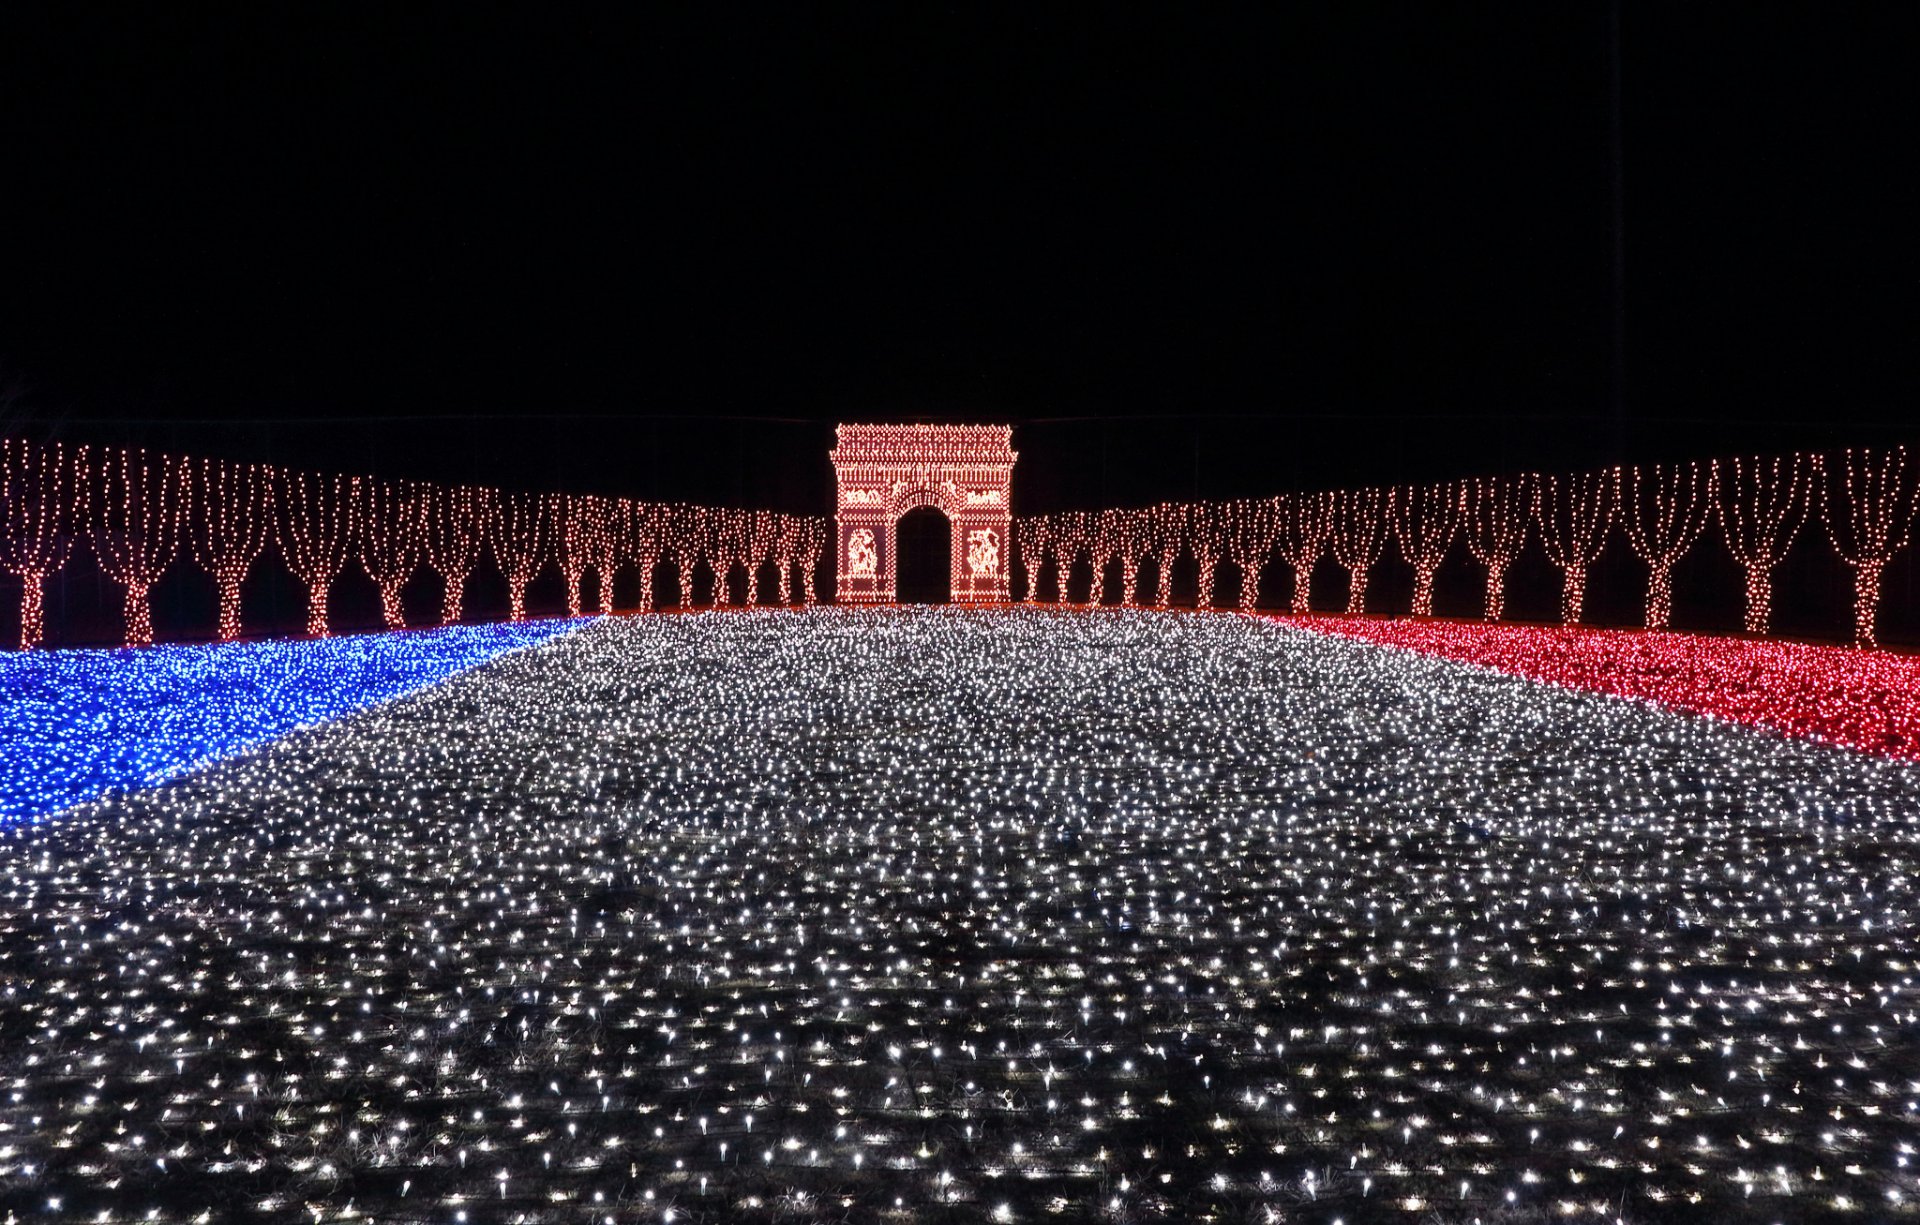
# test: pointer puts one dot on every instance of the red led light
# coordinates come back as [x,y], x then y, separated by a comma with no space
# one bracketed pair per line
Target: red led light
[1867,700]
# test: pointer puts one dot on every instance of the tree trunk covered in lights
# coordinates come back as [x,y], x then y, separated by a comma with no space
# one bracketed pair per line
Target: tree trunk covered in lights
[1659,597]
[1129,584]
[783,581]
[1495,606]
[1204,589]
[139,612]
[574,579]
[1356,591]
[646,583]
[390,611]
[805,578]
[1573,595]
[1866,602]
[1301,603]
[33,610]
[1249,587]
[1759,599]
[1164,595]
[1062,571]
[317,611]
[1423,591]
[229,624]
[517,599]
[450,609]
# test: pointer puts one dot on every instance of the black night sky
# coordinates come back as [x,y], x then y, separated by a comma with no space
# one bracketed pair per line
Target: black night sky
[658,252]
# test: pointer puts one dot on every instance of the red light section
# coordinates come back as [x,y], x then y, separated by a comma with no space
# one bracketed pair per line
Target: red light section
[1859,699]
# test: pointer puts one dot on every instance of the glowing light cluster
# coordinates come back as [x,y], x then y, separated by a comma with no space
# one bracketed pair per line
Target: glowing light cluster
[940,916]
[138,511]
[1867,700]
[80,723]
[883,471]
[1867,498]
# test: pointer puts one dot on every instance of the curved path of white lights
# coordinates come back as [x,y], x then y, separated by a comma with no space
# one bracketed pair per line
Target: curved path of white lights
[936,916]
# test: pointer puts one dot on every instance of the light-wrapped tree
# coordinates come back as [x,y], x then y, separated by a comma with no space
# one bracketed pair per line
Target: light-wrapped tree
[135,519]
[1574,513]
[42,509]
[1762,503]
[391,525]
[1359,537]
[1425,520]
[1664,508]
[315,516]
[1867,502]
[1494,515]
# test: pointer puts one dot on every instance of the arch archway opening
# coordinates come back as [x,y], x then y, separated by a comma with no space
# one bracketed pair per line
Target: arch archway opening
[923,550]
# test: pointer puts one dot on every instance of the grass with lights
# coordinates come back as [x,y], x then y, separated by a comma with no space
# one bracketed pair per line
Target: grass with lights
[80,723]
[938,915]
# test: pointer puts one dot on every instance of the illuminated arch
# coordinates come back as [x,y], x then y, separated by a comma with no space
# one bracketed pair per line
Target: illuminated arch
[883,471]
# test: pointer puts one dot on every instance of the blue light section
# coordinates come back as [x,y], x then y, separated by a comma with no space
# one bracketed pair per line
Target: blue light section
[76,724]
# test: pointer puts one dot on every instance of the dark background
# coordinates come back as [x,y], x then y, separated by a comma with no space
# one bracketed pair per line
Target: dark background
[658,251]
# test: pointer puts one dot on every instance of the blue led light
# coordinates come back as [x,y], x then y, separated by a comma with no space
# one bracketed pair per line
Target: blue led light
[77,724]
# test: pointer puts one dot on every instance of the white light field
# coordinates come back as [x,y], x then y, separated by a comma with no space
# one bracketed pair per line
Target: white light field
[942,915]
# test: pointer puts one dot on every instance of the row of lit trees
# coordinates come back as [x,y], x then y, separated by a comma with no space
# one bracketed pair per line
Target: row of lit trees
[1864,498]
[141,512]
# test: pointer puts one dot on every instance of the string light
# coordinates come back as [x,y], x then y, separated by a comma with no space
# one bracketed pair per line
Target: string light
[938,915]
[813,542]
[522,544]
[1425,521]
[647,524]
[1305,523]
[229,525]
[136,515]
[1034,536]
[1868,504]
[1359,536]
[1664,508]
[1204,542]
[1494,515]
[81,724]
[1573,513]
[1864,700]
[1251,525]
[1071,532]
[317,519]
[583,543]
[1117,539]
[726,549]
[391,523]
[1167,530]
[764,529]
[41,510]
[457,530]
[1761,504]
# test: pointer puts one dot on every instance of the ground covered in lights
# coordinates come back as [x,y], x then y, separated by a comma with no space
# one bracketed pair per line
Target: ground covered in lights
[929,916]
[78,724]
